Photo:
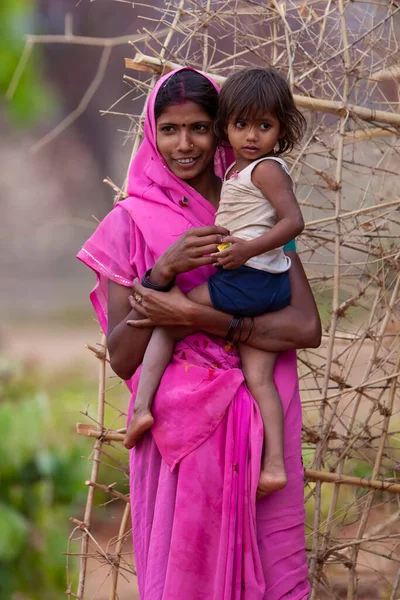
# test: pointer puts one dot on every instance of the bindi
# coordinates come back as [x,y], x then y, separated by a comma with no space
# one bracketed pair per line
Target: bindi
[183,125]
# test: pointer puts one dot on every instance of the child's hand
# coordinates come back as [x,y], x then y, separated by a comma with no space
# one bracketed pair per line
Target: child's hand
[236,255]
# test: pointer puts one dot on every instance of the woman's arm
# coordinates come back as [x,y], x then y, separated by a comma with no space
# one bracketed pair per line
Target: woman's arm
[127,346]
[296,326]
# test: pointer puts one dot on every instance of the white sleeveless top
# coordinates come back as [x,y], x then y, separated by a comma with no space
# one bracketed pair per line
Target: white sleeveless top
[244,210]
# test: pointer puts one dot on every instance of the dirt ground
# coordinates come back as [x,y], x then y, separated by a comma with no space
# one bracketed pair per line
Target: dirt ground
[51,346]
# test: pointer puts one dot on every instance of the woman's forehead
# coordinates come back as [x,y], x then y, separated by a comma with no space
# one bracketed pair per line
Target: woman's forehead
[184,112]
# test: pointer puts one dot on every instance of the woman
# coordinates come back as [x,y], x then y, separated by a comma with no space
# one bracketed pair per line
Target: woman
[197,531]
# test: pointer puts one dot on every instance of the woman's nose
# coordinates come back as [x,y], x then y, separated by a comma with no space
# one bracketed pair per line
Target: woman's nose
[184,144]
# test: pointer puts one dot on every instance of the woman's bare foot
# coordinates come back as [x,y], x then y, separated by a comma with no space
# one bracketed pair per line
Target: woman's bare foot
[272,479]
[140,422]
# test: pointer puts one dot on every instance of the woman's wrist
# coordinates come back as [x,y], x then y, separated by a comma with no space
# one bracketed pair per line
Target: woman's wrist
[147,283]
[161,273]
[189,316]
[206,318]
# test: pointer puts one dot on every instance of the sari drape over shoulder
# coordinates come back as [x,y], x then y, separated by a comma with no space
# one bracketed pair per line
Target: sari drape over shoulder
[198,532]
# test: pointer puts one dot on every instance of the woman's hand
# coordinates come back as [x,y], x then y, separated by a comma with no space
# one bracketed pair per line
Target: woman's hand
[159,308]
[193,249]
[296,326]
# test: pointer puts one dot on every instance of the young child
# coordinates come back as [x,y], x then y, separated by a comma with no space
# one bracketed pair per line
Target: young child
[259,119]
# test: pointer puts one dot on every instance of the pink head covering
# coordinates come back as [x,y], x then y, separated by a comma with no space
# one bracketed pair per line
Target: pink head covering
[155,195]
[150,178]
[139,229]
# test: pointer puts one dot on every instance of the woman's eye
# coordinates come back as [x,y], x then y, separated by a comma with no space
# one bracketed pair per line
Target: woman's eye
[265,126]
[167,128]
[202,128]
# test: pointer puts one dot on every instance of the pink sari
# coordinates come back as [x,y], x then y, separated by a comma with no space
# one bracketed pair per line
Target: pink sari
[198,532]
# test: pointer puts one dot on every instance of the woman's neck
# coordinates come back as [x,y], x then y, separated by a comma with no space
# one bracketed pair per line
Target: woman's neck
[208,185]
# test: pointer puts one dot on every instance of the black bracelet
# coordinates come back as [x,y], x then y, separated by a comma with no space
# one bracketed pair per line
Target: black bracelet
[250,332]
[153,286]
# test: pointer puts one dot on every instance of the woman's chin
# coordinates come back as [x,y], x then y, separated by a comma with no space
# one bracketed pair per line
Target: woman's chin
[187,173]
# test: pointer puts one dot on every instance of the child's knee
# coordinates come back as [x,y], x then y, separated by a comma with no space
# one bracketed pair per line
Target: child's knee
[258,377]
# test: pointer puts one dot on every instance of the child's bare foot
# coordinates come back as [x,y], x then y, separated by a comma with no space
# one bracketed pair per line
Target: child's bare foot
[140,422]
[272,479]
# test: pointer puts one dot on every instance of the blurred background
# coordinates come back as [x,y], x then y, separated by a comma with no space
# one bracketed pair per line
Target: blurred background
[50,186]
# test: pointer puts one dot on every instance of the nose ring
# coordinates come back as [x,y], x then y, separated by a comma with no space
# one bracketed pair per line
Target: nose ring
[192,145]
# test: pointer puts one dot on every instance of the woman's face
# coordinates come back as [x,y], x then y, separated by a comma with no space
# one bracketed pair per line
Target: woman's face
[186,140]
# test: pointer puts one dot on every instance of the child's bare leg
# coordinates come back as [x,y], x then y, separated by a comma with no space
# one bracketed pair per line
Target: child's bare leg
[258,369]
[156,359]
[157,356]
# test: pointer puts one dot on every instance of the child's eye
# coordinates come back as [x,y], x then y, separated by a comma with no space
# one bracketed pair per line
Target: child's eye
[240,124]
[265,126]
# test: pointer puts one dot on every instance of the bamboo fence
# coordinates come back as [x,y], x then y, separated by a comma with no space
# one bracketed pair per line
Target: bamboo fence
[341,58]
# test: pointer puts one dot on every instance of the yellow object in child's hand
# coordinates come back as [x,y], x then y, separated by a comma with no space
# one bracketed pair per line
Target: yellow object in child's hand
[223,246]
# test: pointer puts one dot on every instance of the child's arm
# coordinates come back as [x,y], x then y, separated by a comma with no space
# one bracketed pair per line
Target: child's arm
[276,186]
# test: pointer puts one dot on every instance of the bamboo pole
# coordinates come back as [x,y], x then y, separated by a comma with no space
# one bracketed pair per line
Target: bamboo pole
[157,66]
[360,482]
[355,213]
[106,435]
[87,519]
[377,464]
[361,135]
[108,489]
[118,550]
[311,474]
[323,428]
[392,72]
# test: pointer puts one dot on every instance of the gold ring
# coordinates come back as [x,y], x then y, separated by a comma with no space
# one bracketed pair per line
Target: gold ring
[138,298]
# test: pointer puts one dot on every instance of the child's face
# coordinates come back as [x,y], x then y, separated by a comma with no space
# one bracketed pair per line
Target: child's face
[253,139]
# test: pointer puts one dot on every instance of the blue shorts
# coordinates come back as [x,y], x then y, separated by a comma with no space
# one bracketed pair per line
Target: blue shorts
[248,292]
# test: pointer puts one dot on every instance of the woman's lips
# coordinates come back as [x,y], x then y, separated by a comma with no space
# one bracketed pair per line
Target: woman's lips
[186,162]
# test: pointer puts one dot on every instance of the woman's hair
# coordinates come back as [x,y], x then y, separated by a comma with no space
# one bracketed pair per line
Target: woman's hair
[187,85]
[249,94]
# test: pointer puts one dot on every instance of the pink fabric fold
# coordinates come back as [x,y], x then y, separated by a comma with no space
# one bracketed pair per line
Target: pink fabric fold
[199,389]
[198,532]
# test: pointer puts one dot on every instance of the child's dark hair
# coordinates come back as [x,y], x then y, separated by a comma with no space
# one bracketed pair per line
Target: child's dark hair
[187,85]
[250,93]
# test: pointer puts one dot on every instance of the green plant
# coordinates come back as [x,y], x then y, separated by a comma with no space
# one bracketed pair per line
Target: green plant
[42,475]
[31,98]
